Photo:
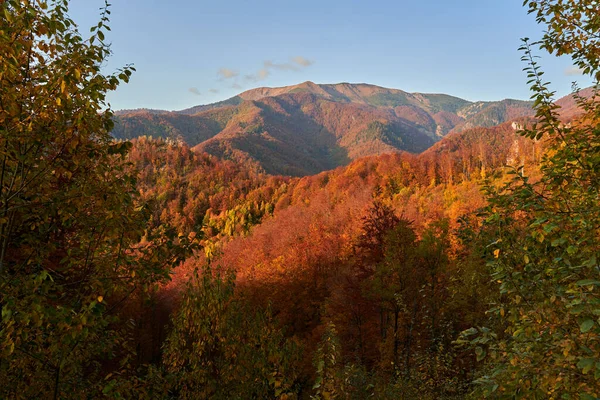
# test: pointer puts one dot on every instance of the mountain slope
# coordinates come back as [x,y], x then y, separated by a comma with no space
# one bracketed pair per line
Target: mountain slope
[302,134]
[308,128]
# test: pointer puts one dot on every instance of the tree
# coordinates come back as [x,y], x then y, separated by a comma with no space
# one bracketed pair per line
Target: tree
[327,362]
[376,224]
[573,29]
[220,348]
[545,253]
[74,241]
[395,286]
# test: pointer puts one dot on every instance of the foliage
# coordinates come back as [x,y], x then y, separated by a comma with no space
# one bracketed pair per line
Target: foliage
[221,349]
[303,131]
[198,193]
[545,252]
[74,243]
[327,362]
[310,247]
[572,30]
[361,267]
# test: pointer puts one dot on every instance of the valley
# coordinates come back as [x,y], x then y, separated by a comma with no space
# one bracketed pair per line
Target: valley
[338,241]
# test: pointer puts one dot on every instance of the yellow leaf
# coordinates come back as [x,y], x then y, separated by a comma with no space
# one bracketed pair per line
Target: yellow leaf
[100,298]
[58,101]
[497,253]
[63,86]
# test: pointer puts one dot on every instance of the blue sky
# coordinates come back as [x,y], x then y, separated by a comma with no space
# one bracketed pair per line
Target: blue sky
[190,52]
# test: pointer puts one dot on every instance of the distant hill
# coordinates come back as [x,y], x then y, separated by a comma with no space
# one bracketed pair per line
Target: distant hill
[568,104]
[308,128]
[303,134]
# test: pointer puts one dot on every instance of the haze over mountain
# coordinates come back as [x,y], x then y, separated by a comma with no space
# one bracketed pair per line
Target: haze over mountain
[308,128]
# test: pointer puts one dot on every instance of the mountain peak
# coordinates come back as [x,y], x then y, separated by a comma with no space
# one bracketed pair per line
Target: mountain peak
[307,128]
[362,93]
[261,92]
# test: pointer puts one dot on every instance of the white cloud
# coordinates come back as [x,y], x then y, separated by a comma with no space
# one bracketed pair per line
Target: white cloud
[261,75]
[303,62]
[295,64]
[573,71]
[226,73]
[282,67]
[195,91]
[213,90]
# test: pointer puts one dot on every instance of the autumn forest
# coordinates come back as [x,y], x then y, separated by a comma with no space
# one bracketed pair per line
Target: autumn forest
[308,242]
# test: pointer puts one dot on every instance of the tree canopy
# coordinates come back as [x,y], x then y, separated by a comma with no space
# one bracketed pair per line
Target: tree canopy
[75,242]
[351,284]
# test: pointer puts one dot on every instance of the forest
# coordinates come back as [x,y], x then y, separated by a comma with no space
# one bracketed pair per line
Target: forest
[150,269]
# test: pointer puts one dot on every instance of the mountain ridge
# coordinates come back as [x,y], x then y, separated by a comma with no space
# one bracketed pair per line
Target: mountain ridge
[308,128]
[344,91]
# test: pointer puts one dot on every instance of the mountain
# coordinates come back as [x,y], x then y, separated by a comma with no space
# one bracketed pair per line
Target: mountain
[568,104]
[302,134]
[308,128]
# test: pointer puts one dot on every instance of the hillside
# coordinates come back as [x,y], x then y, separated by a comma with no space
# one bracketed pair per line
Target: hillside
[297,244]
[308,128]
[301,134]
[428,247]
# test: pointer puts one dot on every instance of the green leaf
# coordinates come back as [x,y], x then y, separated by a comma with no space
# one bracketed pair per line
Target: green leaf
[586,364]
[586,325]
[318,382]
[588,282]
[480,353]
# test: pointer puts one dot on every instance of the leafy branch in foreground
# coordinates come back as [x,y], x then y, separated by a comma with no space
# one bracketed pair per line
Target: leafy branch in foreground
[545,259]
[573,29]
[74,242]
